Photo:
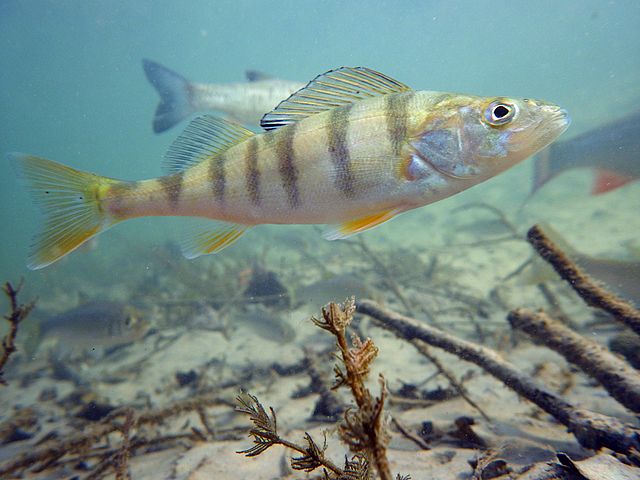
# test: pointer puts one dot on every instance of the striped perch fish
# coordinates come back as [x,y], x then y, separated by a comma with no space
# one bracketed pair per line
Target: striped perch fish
[352,149]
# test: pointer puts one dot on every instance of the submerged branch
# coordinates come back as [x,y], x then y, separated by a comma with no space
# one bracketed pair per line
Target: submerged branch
[17,314]
[422,347]
[616,376]
[387,276]
[265,435]
[83,441]
[592,430]
[593,294]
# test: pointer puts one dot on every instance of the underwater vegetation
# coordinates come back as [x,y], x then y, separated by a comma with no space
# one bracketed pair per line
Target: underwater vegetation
[363,430]
[197,431]
[456,342]
[18,313]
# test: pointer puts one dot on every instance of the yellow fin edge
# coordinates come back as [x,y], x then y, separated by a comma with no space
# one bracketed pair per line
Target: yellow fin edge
[71,202]
[353,227]
[205,241]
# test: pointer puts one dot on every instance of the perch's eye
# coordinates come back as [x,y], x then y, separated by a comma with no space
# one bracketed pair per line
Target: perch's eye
[499,113]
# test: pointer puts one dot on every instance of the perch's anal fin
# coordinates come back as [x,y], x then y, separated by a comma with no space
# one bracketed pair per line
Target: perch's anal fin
[212,237]
[352,227]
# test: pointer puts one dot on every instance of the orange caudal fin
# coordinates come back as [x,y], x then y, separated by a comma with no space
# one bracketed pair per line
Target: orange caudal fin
[606,181]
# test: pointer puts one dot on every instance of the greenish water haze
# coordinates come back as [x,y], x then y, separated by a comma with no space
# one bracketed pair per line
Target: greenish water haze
[72,87]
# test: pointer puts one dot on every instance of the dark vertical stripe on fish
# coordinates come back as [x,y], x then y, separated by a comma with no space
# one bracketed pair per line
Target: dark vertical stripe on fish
[339,149]
[119,198]
[396,113]
[287,164]
[252,176]
[172,187]
[217,177]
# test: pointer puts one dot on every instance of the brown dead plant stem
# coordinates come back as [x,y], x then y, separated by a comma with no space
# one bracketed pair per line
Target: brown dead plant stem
[122,460]
[591,429]
[265,435]
[17,314]
[363,429]
[593,294]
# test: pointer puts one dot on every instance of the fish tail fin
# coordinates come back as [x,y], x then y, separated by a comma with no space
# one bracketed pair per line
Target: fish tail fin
[542,170]
[72,204]
[176,95]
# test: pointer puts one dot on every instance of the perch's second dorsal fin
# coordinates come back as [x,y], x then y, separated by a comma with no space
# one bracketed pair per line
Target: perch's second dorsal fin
[204,138]
[333,89]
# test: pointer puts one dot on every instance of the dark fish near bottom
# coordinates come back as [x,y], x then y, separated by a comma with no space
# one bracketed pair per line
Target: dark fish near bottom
[613,150]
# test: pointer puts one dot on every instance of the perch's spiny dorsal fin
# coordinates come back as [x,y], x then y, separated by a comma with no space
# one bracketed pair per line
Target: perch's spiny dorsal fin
[333,89]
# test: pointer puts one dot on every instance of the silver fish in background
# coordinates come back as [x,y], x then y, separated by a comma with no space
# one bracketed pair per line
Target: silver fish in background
[245,102]
[613,150]
[95,324]
[267,324]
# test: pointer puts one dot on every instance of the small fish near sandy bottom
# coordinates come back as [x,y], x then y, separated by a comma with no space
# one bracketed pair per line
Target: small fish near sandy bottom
[95,324]
[352,150]
[611,150]
[245,102]
[268,324]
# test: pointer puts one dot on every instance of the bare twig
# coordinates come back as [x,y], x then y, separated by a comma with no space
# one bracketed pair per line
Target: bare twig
[422,347]
[593,294]
[387,277]
[17,314]
[592,430]
[620,380]
[202,415]
[519,269]
[265,435]
[502,217]
[410,435]
[121,463]
[81,442]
